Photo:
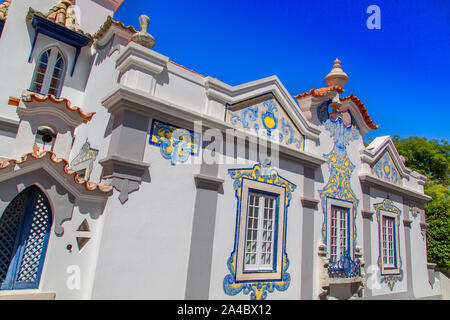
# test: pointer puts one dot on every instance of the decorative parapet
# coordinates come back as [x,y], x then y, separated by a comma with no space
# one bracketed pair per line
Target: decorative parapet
[41,104]
[138,67]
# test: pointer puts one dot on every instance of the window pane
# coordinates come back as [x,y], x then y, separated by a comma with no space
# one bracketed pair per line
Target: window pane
[260,229]
[388,241]
[39,73]
[338,233]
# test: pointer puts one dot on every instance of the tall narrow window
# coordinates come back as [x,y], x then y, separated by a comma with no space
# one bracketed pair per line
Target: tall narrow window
[339,233]
[49,73]
[24,232]
[259,246]
[388,242]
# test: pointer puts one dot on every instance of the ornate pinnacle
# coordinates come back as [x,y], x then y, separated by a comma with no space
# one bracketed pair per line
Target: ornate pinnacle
[143,37]
[337,77]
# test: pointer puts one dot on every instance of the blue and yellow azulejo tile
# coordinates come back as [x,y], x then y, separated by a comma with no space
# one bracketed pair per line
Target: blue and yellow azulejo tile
[175,143]
[385,169]
[264,116]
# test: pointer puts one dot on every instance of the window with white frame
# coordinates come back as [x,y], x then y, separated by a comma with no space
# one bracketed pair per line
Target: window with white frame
[388,242]
[338,232]
[261,229]
[49,73]
[259,242]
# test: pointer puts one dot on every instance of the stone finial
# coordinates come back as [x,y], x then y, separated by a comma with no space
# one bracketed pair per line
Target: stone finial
[4,9]
[143,37]
[336,77]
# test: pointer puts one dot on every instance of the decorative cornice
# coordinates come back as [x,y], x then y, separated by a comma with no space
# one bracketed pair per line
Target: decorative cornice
[9,125]
[10,165]
[74,117]
[146,104]
[390,187]
[137,55]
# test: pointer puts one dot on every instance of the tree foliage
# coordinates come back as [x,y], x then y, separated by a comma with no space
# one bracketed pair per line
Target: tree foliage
[432,158]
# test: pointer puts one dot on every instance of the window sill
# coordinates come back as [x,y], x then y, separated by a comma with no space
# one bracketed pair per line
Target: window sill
[333,281]
[26,295]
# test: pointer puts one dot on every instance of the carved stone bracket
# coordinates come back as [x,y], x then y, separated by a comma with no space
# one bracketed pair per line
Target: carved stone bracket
[203,181]
[123,174]
[367,214]
[309,202]
[407,222]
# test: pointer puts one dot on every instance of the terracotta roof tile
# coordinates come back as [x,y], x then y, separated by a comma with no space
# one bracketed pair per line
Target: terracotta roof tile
[363,111]
[190,70]
[319,92]
[40,154]
[61,15]
[87,116]
[110,22]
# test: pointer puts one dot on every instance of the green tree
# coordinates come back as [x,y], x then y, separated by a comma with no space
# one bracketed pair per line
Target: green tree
[432,158]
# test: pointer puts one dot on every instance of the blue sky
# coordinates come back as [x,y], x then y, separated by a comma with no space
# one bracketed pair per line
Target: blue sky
[401,72]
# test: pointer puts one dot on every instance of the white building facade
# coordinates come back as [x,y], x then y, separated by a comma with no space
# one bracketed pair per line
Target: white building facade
[124,175]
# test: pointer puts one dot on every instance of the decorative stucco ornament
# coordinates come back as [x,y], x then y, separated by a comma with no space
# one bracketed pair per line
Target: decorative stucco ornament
[71,20]
[337,77]
[143,37]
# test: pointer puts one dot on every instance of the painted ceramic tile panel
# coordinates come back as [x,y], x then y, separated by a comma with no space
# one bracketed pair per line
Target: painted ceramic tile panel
[176,144]
[264,116]
[385,169]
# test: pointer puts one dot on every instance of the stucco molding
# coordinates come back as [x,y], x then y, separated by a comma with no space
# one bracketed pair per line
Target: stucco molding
[124,98]
[368,179]
[222,92]
[135,55]
[7,124]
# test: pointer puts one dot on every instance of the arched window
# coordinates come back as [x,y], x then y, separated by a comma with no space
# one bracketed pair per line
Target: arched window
[49,72]
[24,232]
